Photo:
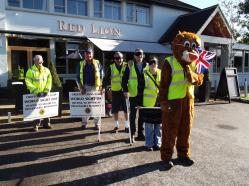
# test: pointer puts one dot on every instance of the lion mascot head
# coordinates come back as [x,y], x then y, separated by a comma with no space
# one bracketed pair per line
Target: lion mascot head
[184,47]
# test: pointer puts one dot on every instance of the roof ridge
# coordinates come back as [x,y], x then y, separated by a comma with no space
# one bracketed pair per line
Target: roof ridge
[198,11]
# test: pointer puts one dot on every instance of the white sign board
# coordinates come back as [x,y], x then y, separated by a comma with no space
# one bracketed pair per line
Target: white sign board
[40,107]
[91,104]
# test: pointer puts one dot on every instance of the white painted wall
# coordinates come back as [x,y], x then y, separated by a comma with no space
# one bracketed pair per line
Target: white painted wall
[3,62]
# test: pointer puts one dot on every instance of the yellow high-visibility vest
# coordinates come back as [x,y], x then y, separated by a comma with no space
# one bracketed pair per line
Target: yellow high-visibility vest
[132,82]
[38,80]
[151,90]
[116,77]
[179,84]
[96,74]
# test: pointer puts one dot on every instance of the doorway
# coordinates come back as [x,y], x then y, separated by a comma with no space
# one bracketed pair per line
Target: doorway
[19,56]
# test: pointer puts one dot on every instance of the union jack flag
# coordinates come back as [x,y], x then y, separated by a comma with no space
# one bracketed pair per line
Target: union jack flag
[204,60]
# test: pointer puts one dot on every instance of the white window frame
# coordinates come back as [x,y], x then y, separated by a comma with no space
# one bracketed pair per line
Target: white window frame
[66,7]
[135,7]
[45,9]
[113,4]
[77,8]
[102,12]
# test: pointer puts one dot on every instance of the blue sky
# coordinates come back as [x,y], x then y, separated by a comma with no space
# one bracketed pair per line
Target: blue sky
[201,3]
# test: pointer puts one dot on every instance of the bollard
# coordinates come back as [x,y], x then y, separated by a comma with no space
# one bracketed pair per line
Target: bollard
[9,117]
[245,87]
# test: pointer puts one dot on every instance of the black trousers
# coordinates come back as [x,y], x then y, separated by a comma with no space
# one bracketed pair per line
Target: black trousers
[133,113]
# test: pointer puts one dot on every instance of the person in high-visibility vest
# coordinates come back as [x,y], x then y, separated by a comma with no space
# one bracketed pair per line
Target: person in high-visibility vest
[152,116]
[39,81]
[133,86]
[89,79]
[113,76]
[176,95]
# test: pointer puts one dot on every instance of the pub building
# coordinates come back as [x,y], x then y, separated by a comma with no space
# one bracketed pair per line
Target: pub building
[57,28]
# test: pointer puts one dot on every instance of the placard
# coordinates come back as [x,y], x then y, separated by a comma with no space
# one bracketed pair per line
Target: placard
[40,107]
[228,85]
[91,104]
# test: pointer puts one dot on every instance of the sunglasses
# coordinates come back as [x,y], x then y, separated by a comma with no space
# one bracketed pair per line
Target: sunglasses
[152,62]
[138,53]
[117,58]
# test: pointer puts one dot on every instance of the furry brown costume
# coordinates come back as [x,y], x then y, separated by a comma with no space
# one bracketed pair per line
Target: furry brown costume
[177,114]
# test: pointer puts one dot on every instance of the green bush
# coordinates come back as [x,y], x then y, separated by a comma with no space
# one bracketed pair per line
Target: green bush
[56,83]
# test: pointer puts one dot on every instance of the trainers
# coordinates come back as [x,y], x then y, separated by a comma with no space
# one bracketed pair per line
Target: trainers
[148,148]
[47,126]
[116,129]
[185,161]
[83,125]
[156,148]
[126,129]
[169,164]
[36,128]
[140,138]
[133,139]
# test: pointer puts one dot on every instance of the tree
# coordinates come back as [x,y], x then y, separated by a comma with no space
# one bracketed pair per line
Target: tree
[230,10]
[243,12]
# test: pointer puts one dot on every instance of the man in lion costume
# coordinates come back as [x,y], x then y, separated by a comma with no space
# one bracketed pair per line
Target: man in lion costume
[176,96]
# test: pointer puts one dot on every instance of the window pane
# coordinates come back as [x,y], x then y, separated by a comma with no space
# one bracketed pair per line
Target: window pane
[40,4]
[28,4]
[15,3]
[97,8]
[117,13]
[129,12]
[238,63]
[59,6]
[35,4]
[246,62]
[82,8]
[112,10]
[108,11]
[71,7]
[142,15]
[60,51]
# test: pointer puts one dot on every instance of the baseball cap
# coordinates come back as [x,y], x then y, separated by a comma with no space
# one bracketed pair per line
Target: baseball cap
[138,52]
[89,50]
[153,60]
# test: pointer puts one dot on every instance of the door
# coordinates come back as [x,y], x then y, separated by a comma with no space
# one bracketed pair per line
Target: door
[19,56]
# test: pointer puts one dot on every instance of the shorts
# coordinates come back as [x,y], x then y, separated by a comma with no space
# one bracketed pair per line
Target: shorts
[118,102]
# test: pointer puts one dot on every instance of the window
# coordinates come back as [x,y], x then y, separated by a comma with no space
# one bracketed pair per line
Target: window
[217,60]
[137,14]
[77,7]
[64,64]
[59,6]
[246,69]
[60,51]
[35,4]
[14,3]
[29,4]
[237,62]
[107,9]
[112,10]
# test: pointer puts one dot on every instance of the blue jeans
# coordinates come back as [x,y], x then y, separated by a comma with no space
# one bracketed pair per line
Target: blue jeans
[152,135]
